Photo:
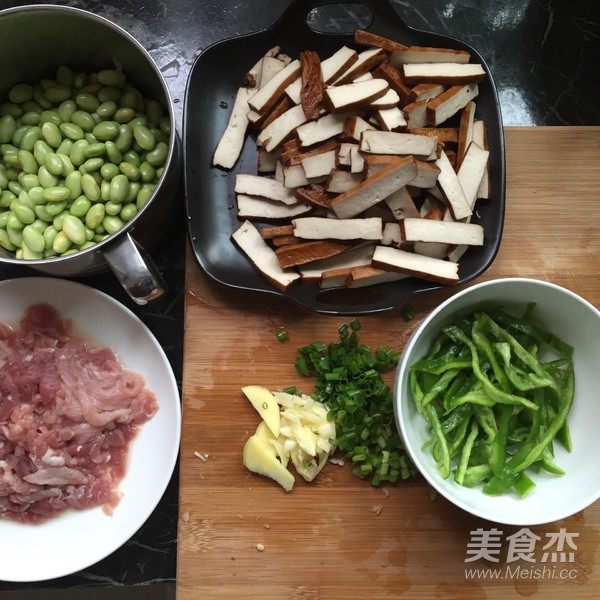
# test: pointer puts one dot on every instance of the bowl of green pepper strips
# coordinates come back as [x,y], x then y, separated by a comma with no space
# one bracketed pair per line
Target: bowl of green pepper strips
[496,399]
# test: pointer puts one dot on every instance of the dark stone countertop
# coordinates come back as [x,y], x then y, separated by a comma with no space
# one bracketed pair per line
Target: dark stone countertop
[544,56]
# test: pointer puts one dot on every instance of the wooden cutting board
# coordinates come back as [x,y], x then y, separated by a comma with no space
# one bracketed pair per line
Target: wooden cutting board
[339,538]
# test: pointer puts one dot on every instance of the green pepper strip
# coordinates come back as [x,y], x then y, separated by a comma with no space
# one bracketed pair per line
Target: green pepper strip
[567,394]
[459,474]
[444,464]
[493,392]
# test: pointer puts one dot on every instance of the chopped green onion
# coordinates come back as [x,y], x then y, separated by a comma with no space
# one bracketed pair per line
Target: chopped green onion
[348,381]
[408,313]
[282,334]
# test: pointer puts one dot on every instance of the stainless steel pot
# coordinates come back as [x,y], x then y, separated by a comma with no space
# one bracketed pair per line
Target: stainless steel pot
[34,41]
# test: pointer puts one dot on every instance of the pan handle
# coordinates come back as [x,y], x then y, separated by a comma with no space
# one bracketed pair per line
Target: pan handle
[381,11]
[135,270]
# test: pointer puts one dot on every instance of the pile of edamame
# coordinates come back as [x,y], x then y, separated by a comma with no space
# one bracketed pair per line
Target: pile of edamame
[81,153]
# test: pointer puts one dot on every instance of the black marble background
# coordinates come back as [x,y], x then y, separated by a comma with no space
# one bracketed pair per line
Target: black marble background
[545,57]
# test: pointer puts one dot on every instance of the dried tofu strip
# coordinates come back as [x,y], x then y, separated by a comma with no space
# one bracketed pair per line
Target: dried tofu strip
[232,141]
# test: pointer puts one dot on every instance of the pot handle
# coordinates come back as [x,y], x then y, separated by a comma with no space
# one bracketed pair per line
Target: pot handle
[135,270]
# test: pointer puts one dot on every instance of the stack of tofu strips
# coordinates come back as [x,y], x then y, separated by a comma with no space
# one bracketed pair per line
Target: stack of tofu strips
[370,163]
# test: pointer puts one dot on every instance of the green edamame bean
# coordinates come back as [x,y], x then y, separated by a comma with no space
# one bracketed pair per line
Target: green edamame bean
[95,150]
[24,213]
[165,125]
[68,166]
[144,137]
[80,80]
[4,218]
[147,172]
[95,215]
[10,108]
[51,134]
[72,131]
[90,187]
[132,157]
[107,109]
[29,181]
[154,110]
[50,116]
[28,162]
[65,147]
[125,138]
[46,178]
[5,241]
[112,77]
[40,98]
[31,118]
[73,184]
[158,156]
[40,149]
[89,233]
[119,188]
[105,190]
[12,160]
[8,126]
[57,193]
[80,206]
[6,149]
[87,244]
[109,170]
[91,88]
[138,121]
[134,190]
[41,212]
[36,195]
[74,229]
[91,164]
[159,172]
[113,208]
[106,130]
[3,177]
[159,135]
[109,93]
[30,137]
[66,110]
[33,238]
[28,254]
[6,198]
[124,115]
[65,76]
[131,171]
[13,222]
[144,195]
[59,218]
[21,92]
[77,153]
[112,152]
[57,94]
[24,198]
[86,99]
[15,236]
[112,223]
[61,243]
[18,135]
[39,225]
[55,208]
[11,172]
[49,234]
[129,99]
[53,163]
[84,120]
[15,187]
[91,138]
[128,211]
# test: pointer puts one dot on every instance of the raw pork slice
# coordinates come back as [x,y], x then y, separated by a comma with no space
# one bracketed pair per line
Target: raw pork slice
[68,411]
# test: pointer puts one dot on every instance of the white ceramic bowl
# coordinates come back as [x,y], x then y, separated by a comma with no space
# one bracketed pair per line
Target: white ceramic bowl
[555,497]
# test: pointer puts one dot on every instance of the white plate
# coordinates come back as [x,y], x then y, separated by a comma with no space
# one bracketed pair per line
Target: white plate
[75,540]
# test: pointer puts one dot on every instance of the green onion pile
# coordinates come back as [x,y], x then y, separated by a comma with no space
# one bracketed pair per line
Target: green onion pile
[348,381]
[494,405]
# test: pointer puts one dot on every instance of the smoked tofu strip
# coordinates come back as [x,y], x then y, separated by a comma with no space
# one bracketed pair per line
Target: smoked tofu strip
[267,95]
[392,142]
[450,102]
[254,207]
[444,73]
[424,54]
[451,189]
[447,232]
[371,191]
[278,130]
[256,185]
[472,170]
[322,129]
[232,141]
[262,256]
[319,228]
[432,269]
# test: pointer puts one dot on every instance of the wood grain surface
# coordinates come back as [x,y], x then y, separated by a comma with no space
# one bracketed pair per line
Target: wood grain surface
[339,538]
